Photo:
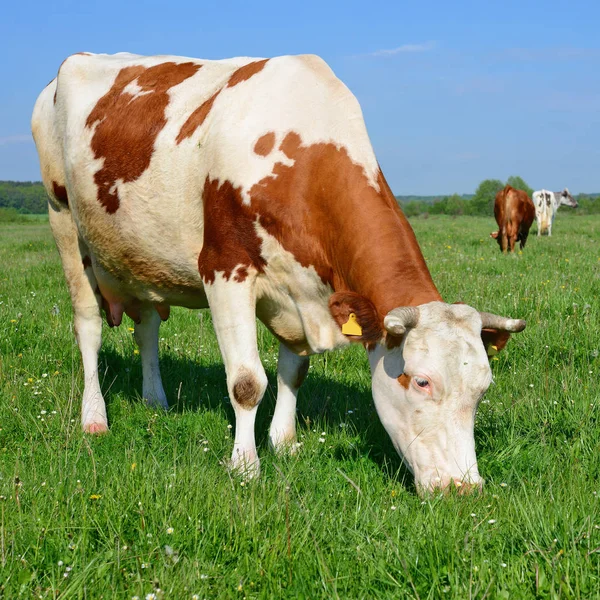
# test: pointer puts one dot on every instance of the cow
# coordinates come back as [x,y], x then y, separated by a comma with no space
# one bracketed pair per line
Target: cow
[514,214]
[250,187]
[546,206]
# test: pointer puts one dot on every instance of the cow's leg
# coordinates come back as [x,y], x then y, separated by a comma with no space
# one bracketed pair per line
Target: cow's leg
[291,371]
[504,240]
[146,336]
[86,309]
[512,240]
[539,227]
[233,308]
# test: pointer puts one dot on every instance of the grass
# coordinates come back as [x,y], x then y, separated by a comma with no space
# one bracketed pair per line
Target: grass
[150,506]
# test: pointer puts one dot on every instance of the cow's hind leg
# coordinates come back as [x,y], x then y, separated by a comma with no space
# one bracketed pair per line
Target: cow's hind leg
[233,308]
[146,336]
[86,302]
[504,240]
[291,371]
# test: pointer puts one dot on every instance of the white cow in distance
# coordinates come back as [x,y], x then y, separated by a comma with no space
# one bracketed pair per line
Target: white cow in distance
[546,206]
[250,187]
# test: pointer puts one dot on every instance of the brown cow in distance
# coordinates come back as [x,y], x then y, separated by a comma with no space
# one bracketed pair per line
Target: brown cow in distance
[514,212]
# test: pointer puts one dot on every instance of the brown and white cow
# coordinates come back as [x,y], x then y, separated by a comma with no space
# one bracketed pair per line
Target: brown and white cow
[514,212]
[250,187]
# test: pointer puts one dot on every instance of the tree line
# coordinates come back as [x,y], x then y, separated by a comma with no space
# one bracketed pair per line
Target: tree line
[482,202]
[24,197]
[29,197]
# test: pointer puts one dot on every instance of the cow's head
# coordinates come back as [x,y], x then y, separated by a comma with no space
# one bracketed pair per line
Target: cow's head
[567,200]
[429,373]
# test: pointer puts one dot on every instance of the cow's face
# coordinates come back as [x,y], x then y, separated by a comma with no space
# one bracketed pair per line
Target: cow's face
[428,387]
[567,200]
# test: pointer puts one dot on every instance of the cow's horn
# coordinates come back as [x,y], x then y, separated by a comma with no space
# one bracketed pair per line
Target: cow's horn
[398,320]
[490,321]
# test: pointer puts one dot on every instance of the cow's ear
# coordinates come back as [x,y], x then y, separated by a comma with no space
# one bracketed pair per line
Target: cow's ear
[494,340]
[365,324]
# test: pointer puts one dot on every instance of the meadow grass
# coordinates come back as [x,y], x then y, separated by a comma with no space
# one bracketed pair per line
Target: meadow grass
[151,507]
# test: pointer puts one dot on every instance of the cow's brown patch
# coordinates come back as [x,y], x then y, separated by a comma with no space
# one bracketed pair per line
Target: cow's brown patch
[404,380]
[86,261]
[196,119]
[244,73]
[127,125]
[325,212]
[265,143]
[230,237]
[246,390]
[353,235]
[291,144]
[60,193]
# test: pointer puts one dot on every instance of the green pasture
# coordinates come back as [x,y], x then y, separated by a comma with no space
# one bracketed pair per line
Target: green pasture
[151,509]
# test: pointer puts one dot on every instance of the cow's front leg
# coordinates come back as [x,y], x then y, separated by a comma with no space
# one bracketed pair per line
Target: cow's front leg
[146,336]
[291,371]
[233,308]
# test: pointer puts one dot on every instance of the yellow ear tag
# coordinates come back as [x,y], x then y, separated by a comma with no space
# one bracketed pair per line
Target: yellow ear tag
[351,327]
[492,350]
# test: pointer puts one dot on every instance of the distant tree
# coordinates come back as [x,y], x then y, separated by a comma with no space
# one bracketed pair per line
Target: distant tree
[415,208]
[439,207]
[518,183]
[483,200]
[455,205]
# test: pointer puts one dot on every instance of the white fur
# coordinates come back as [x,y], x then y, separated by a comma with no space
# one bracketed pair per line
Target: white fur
[233,313]
[434,433]
[146,336]
[282,433]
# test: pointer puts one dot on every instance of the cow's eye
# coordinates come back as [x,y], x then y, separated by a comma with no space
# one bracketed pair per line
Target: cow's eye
[422,383]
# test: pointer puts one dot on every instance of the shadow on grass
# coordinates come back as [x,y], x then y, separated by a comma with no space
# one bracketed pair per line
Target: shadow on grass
[192,386]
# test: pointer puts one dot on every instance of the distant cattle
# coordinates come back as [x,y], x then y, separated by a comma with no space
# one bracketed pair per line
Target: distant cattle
[546,206]
[250,187]
[514,214]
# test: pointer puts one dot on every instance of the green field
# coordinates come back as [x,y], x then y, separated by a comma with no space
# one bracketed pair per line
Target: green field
[150,505]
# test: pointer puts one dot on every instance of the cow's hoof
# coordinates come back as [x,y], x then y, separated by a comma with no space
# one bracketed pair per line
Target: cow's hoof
[96,428]
[284,446]
[158,403]
[245,467]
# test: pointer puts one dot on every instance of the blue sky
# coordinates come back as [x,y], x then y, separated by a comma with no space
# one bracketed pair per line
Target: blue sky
[452,92]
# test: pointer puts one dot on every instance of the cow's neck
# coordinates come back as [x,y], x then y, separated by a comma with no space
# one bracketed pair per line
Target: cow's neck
[378,255]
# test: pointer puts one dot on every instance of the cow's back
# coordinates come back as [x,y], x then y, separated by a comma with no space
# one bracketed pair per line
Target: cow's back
[131,143]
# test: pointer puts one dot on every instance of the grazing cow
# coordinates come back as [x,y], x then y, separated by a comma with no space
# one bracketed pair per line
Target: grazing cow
[514,214]
[250,187]
[546,206]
